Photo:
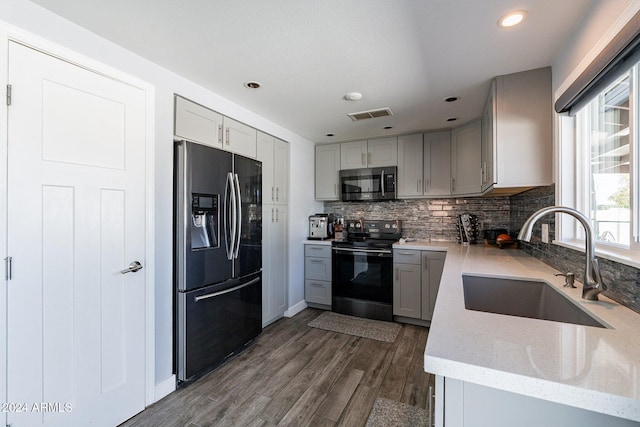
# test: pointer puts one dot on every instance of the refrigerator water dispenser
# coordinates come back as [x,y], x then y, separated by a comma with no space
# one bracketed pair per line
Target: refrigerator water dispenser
[204,221]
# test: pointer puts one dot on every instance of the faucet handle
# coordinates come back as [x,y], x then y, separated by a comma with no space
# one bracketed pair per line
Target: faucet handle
[569,278]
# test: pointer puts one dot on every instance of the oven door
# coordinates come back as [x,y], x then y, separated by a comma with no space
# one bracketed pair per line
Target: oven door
[362,278]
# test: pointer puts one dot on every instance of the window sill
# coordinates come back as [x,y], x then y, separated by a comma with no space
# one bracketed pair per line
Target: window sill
[622,256]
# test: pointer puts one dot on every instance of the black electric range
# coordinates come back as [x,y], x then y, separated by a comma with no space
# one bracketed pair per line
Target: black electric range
[362,282]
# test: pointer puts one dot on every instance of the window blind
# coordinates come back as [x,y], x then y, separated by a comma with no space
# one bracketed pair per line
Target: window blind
[615,59]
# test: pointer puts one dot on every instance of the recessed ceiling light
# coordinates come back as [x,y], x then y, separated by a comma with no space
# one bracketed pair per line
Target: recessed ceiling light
[452,119]
[353,96]
[252,85]
[512,18]
[331,134]
[388,127]
[451,99]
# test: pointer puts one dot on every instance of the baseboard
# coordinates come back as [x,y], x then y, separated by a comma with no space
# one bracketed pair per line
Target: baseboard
[165,388]
[411,321]
[295,309]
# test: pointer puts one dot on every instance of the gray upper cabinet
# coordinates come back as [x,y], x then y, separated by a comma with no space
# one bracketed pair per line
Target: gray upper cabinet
[437,164]
[410,175]
[274,155]
[488,140]
[327,169]
[239,138]
[369,154]
[466,144]
[353,155]
[382,152]
[518,151]
[196,123]
[424,165]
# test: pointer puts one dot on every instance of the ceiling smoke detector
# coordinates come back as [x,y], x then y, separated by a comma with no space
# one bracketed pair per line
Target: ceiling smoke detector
[353,96]
[370,114]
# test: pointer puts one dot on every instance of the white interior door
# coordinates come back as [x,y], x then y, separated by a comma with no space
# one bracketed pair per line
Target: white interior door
[76,218]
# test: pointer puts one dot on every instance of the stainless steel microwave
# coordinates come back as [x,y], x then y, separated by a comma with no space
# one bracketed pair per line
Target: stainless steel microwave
[368,184]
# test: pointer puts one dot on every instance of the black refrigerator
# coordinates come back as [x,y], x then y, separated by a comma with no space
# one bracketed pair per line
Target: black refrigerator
[217,256]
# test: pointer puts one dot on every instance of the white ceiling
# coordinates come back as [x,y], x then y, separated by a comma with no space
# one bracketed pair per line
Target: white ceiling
[407,55]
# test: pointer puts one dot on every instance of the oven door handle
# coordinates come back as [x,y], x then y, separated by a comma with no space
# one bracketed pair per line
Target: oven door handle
[382,181]
[370,251]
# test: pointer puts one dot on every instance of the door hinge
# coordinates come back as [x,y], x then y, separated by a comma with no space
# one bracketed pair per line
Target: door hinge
[7,268]
[8,94]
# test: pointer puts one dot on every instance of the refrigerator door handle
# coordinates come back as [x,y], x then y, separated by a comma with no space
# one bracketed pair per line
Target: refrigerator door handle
[226,291]
[238,216]
[234,216]
[229,229]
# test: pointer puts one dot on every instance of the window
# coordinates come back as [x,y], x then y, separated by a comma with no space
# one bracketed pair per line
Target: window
[605,188]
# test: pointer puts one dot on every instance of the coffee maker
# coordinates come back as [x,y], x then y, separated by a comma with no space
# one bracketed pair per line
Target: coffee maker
[321,226]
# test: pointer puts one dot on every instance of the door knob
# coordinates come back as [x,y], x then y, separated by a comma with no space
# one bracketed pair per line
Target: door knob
[133,267]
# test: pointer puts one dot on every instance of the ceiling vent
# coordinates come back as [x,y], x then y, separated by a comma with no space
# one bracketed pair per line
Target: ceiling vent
[371,114]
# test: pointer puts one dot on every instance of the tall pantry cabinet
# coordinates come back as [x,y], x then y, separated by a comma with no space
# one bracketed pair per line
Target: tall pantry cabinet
[274,155]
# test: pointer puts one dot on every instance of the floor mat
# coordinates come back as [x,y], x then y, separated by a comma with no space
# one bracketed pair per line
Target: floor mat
[366,328]
[389,413]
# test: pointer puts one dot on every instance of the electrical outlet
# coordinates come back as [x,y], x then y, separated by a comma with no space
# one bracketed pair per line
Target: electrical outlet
[545,233]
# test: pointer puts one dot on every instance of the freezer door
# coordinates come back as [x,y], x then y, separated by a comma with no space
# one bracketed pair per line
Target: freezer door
[248,175]
[202,237]
[216,321]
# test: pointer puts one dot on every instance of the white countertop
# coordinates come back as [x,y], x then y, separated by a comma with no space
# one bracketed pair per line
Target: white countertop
[586,367]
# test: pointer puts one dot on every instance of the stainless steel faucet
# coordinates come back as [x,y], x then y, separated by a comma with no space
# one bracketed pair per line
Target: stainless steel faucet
[592,283]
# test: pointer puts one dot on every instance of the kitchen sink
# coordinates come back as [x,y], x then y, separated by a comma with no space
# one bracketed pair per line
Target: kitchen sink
[524,298]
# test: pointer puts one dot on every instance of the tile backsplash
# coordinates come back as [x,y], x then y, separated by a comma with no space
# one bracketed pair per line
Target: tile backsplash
[429,219]
[435,220]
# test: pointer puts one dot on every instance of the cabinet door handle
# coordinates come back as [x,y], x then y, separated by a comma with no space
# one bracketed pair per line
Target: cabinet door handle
[430,406]
[418,186]
[220,134]
[426,185]
[368,158]
[228,142]
[335,189]
[272,191]
[272,215]
[397,273]
[277,194]
[277,215]
[425,261]
[453,185]
[363,160]
[316,261]
[405,253]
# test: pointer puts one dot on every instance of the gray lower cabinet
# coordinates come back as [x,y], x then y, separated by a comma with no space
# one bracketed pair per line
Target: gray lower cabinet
[432,266]
[317,275]
[415,282]
[465,404]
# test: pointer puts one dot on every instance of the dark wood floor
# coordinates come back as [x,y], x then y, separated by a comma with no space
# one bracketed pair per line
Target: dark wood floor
[295,375]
